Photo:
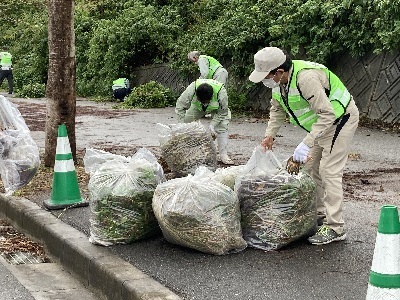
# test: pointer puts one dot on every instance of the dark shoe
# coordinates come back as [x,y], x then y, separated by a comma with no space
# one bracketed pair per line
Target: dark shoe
[326,235]
[320,220]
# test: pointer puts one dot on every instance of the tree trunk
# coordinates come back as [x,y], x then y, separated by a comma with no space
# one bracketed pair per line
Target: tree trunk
[60,90]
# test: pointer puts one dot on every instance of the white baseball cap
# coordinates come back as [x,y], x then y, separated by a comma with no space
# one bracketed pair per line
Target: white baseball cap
[193,54]
[266,60]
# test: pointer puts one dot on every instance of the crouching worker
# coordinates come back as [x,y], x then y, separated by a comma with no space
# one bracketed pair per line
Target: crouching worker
[207,96]
[121,88]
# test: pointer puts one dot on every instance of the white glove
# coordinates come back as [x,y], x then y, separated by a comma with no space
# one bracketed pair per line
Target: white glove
[212,131]
[301,153]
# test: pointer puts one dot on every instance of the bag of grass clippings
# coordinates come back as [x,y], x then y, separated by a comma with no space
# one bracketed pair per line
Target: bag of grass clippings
[277,208]
[121,193]
[226,176]
[186,146]
[199,213]
[19,154]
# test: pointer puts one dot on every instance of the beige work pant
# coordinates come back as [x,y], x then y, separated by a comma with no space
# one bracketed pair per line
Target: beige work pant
[329,155]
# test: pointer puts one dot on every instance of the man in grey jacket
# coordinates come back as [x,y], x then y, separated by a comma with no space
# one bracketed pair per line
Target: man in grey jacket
[205,96]
[209,67]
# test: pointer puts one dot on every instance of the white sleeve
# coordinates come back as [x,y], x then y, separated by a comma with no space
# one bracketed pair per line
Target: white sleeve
[203,66]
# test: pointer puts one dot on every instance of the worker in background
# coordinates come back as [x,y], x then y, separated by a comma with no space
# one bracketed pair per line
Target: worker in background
[6,68]
[209,67]
[121,88]
[205,96]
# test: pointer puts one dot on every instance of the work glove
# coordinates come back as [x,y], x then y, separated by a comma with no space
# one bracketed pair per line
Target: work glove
[301,153]
[212,131]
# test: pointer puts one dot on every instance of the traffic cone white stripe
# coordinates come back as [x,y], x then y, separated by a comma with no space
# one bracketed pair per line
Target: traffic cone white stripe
[64,166]
[63,146]
[375,293]
[384,277]
[386,254]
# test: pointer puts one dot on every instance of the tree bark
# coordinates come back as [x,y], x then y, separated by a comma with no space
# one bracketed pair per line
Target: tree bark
[60,89]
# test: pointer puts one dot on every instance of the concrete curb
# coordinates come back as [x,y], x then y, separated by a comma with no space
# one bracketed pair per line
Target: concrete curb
[96,267]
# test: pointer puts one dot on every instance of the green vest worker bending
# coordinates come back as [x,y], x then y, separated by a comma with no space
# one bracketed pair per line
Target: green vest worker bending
[209,67]
[121,88]
[207,96]
[6,68]
[317,101]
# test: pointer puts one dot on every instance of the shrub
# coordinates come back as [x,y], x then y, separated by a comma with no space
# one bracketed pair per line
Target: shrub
[112,48]
[149,95]
[32,90]
[237,101]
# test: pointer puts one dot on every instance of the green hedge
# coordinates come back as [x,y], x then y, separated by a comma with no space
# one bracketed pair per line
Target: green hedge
[150,95]
[113,37]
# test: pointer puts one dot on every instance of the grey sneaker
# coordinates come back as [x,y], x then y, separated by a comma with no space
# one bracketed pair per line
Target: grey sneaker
[326,235]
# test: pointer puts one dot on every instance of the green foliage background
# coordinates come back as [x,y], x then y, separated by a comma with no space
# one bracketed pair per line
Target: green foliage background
[113,37]
[149,95]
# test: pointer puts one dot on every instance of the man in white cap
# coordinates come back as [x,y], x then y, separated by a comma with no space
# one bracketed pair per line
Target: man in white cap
[316,100]
[205,96]
[209,67]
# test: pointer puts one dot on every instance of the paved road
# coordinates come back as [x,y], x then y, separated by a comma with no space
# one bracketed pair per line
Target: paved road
[300,271]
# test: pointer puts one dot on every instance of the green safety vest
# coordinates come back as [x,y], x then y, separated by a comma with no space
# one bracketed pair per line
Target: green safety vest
[6,59]
[214,103]
[299,109]
[213,65]
[120,83]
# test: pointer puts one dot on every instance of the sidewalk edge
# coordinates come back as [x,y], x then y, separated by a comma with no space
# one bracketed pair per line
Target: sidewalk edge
[95,266]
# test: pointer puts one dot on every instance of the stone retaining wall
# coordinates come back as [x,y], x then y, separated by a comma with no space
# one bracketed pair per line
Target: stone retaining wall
[373,80]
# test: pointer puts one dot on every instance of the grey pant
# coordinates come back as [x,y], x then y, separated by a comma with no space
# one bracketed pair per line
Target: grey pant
[329,156]
[194,114]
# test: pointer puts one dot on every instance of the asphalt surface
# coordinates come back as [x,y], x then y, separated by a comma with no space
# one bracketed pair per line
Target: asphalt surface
[299,271]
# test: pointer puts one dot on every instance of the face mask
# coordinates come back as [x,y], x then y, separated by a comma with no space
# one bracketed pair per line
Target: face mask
[270,83]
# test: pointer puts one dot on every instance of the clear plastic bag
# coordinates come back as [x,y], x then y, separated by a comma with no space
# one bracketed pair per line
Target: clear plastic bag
[120,196]
[186,146]
[199,213]
[20,158]
[94,158]
[277,208]
[226,176]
